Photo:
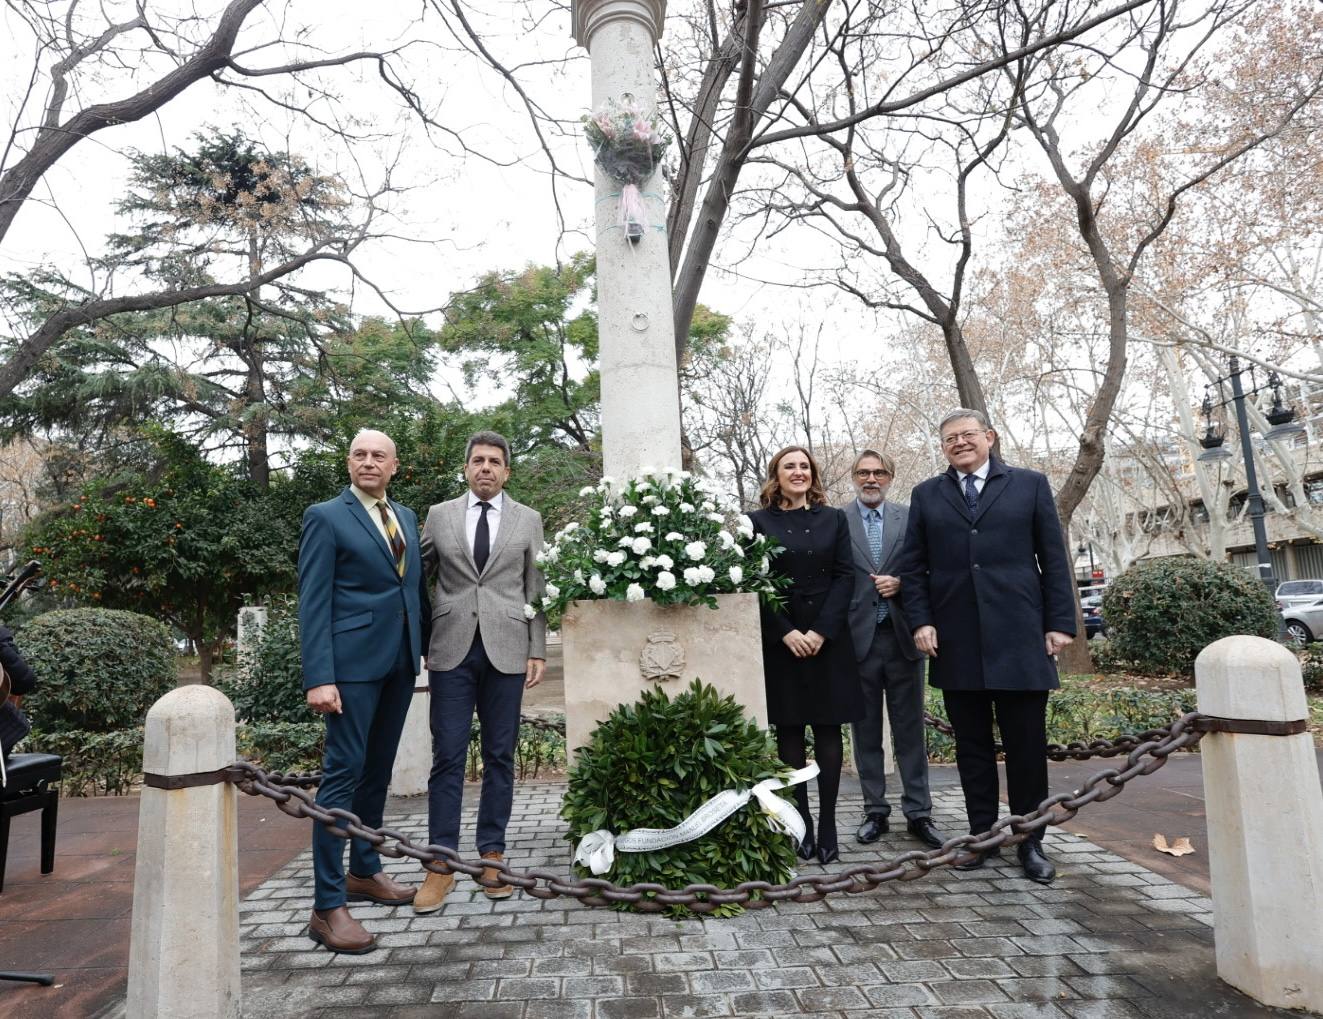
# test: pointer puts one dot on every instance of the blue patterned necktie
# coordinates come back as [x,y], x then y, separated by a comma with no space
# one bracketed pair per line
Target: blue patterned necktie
[971,493]
[874,520]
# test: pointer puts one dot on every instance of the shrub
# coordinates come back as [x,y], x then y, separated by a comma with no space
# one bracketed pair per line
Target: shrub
[652,763]
[98,670]
[95,763]
[536,750]
[267,684]
[1161,614]
[283,746]
[1311,666]
[1083,713]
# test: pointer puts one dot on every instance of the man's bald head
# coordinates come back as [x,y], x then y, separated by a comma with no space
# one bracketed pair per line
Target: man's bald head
[372,461]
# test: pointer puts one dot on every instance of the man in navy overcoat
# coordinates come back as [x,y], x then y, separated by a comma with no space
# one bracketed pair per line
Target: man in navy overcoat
[987,588]
[363,626]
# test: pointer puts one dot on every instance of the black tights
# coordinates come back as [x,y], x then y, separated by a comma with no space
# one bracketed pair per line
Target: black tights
[828,751]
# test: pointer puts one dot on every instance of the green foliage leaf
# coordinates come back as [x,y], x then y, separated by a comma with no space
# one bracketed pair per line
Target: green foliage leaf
[1161,614]
[98,670]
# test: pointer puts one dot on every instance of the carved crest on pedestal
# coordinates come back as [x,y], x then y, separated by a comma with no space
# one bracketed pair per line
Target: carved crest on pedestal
[661,658]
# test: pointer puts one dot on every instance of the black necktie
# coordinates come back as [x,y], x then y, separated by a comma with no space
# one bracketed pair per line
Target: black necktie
[482,540]
[971,492]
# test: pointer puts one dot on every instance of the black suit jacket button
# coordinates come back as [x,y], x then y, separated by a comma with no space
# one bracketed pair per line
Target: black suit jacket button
[976,566]
[973,530]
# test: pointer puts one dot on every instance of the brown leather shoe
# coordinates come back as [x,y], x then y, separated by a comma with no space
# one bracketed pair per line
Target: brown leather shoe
[432,895]
[379,888]
[495,891]
[340,932]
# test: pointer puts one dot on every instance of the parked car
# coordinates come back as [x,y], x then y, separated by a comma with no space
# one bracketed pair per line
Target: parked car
[1291,593]
[1094,625]
[1304,623]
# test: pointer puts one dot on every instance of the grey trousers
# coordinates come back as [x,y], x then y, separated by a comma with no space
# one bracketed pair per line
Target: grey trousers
[885,672]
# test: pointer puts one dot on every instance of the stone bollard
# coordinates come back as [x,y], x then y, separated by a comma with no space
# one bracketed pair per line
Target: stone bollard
[184,948]
[1265,825]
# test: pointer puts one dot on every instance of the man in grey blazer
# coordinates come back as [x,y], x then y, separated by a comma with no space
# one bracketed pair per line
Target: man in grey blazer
[486,649]
[890,666]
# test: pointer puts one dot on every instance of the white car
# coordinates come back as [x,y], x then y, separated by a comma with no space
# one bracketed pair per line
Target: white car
[1291,593]
[1301,604]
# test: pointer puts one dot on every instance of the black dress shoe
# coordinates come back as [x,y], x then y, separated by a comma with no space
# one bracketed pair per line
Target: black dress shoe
[873,828]
[807,849]
[1037,867]
[923,829]
[973,861]
[828,854]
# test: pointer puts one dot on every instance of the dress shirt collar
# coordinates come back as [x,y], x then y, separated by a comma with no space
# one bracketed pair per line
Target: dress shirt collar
[369,501]
[981,473]
[866,511]
[495,502]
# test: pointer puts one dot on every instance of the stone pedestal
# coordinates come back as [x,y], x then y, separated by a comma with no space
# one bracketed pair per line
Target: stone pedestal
[413,759]
[184,942]
[1265,826]
[605,640]
[635,320]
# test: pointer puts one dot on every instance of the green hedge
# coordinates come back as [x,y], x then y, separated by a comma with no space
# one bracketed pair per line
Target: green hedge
[1083,713]
[1161,614]
[98,670]
[110,763]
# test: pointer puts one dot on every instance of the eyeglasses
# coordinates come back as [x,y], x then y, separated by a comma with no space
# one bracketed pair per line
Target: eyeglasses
[954,437]
[863,473]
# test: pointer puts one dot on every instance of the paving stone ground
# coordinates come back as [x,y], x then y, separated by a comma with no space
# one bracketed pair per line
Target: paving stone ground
[1108,940]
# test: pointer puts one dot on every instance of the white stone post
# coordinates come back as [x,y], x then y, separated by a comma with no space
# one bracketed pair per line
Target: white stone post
[184,947]
[413,758]
[640,403]
[1265,826]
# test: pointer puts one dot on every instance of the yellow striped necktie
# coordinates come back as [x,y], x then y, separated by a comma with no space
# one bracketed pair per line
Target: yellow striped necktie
[392,536]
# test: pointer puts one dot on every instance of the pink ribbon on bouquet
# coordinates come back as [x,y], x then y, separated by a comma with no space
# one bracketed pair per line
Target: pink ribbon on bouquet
[632,207]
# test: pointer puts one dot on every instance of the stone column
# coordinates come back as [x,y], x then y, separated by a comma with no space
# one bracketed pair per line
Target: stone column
[1265,825]
[413,758]
[640,403]
[184,944]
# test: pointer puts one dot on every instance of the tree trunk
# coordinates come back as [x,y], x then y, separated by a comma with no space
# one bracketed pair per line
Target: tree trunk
[206,659]
[1074,659]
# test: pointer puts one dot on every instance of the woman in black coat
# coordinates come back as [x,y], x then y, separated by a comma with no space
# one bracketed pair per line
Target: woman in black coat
[808,660]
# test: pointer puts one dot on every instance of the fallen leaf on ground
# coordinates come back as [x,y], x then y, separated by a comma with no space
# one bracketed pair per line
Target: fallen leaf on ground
[1180,847]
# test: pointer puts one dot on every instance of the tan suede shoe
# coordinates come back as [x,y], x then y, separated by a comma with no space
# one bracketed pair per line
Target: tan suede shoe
[340,932]
[491,874]
[432,895]
[379,888]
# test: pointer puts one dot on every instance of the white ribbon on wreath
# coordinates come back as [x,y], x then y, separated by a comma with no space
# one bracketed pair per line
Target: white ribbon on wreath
[597,849]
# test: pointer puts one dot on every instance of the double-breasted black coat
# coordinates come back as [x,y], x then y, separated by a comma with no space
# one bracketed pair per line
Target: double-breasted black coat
[992,582]
[823,689]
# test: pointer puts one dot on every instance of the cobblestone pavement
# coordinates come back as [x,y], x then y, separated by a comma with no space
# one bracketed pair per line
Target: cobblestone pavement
[1108,940]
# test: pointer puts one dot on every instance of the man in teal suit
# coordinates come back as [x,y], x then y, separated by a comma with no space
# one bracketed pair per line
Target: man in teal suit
[363,626]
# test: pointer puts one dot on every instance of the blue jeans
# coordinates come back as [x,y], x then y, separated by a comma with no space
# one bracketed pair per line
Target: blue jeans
[497,696]
[360,753]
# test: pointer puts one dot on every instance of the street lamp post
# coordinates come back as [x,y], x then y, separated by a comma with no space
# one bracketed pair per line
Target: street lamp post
[1255,497]
[1286,428]
[1089,549]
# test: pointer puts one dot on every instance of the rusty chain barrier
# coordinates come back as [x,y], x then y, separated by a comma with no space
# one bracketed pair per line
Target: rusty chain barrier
[1145,754]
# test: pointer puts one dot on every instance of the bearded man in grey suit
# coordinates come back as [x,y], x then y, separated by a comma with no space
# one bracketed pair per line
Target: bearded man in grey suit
[890,667]
[488,645]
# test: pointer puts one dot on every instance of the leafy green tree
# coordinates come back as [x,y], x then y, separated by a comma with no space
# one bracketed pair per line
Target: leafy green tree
[174,537]
[533,336]
[232,372]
